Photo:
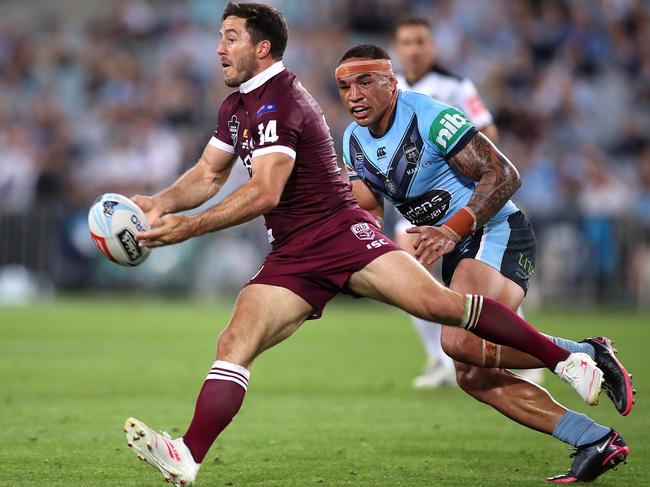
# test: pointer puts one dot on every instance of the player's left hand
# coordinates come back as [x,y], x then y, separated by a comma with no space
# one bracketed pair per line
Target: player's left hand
[167,230]
[431,243]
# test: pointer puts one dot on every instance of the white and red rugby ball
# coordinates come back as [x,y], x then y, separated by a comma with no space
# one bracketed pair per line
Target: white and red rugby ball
[113,221]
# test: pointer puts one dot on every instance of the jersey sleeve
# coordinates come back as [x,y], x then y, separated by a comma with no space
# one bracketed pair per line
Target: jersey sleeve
[222,138]
[449,130]
[470,102]
[349,166]
[277,127]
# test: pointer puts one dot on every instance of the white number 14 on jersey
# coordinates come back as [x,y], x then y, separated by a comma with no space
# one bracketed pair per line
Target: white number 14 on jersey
[268,134]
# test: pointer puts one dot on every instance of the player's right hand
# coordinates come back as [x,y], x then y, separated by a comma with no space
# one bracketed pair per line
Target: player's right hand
[431,243]
[147,204]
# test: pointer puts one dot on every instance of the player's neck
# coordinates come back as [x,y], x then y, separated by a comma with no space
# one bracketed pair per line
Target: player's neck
[266,69]
[382,126]
[263,65]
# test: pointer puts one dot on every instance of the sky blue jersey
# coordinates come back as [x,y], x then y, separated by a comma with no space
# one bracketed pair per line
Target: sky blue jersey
[408,165]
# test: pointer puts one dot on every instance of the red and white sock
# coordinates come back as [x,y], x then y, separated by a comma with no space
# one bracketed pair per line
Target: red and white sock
[219,401]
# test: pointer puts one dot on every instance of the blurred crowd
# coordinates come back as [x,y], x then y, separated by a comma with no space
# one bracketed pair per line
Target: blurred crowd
[125,100]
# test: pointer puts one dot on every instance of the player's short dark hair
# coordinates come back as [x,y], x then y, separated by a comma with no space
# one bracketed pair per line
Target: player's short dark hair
[369,51]
[412,21]
[263,23]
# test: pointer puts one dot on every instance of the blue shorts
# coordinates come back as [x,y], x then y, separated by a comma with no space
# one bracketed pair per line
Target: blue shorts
[507,244]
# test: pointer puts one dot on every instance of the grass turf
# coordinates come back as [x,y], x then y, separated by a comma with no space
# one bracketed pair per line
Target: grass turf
[331,406]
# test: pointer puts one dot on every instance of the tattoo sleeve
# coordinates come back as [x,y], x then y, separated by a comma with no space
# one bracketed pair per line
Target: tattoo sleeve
[497,177]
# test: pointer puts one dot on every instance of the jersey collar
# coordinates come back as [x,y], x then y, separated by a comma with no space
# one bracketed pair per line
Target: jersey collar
[261,78]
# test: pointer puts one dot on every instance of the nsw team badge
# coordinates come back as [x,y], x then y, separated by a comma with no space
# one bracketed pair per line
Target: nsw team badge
[411,153]
[359,164]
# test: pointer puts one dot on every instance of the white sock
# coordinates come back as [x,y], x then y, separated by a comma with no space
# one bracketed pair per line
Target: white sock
[430,335]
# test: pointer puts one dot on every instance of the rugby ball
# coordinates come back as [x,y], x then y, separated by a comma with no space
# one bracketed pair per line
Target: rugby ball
[113,221]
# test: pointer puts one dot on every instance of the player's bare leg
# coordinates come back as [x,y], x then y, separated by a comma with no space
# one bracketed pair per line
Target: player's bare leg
[533,406]
[618,382]
[516,398]
[263,317]
[398,279]
[439,367]
[472,276]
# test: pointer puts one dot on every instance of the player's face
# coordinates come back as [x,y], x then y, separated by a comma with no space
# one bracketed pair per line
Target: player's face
[367,96]
[415,47]
[237,53]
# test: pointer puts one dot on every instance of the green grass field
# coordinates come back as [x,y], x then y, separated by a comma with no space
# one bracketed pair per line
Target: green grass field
[331,406]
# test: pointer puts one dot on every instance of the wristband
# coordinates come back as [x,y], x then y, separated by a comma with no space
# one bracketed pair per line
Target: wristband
[463,223]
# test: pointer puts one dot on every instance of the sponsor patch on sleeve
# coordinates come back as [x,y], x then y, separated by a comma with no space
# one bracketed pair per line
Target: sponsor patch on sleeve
[448,127]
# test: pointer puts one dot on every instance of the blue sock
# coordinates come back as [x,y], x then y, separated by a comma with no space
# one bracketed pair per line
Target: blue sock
[576,429]
[573,347]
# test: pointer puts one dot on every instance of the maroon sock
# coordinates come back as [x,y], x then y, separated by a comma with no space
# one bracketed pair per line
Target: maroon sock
[494,322]
[220,398]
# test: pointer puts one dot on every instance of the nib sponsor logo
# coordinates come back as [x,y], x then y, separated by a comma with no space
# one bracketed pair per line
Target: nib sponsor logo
[447,128]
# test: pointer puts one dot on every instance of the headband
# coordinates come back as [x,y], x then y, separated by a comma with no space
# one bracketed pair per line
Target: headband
[379,66]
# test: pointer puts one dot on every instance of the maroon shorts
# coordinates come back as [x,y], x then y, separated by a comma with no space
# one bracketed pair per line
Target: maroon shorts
[316,264]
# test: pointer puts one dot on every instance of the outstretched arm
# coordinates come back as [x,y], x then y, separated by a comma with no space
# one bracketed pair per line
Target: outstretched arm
[196,186]
[259,195]
[497,180]
[497,177]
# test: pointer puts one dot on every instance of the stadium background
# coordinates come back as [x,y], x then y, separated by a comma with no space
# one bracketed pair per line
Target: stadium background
[100,96]
[122,96]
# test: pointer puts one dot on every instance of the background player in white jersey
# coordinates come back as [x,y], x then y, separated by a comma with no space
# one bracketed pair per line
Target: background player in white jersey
[417,52]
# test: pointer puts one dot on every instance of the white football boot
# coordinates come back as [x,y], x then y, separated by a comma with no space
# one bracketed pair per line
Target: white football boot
[435,375]
[531,375]
[581,372]
[171,457]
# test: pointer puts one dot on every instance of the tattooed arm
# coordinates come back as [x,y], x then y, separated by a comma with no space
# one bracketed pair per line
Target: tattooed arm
[497,178]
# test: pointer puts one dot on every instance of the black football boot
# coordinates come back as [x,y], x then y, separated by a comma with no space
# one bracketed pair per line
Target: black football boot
[594,459]
[618,383]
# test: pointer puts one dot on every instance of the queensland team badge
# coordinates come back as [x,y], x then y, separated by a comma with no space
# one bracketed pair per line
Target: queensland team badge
[363,231]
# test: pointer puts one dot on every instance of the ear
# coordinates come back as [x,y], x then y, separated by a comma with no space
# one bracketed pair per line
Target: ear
[263,49]
[393,83]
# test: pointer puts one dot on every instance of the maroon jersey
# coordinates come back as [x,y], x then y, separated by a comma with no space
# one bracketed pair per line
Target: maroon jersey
[272,112]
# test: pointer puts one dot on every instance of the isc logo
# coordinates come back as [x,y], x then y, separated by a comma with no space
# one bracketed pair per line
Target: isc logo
[451,122]
[375,244]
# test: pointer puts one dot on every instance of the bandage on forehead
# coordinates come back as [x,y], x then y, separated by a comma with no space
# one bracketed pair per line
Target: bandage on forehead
[378,66]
